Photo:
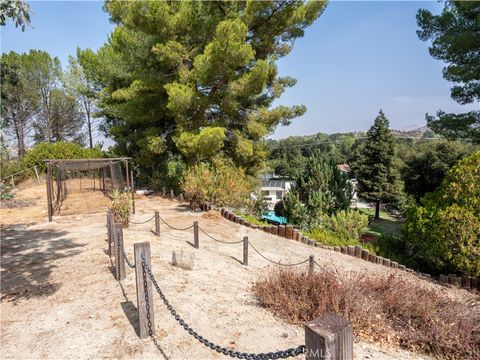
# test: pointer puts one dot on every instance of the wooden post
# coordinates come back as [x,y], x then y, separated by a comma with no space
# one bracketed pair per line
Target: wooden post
[36,174]
[127,179]
[172,195]
[311,265]
[364,254]
[133,191]
[119,259]
[49,192]
[358,251]
[143,250]
[12,180]
[195,234]
[157,223]
[245,250]
[329,337]
[109,230]
[181,198]
[163,191]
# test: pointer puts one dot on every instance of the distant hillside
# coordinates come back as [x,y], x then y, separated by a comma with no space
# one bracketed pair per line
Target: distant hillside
[412,133]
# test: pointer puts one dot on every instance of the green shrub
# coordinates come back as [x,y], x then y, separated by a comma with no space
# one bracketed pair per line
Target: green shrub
[341,229]
[59,150]
[446,227]
[398,248]
[5,191]
[346,223]
[279,209]
[221,183]
[121,206]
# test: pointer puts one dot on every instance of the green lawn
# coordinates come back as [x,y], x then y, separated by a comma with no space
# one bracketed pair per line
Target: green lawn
[387,224]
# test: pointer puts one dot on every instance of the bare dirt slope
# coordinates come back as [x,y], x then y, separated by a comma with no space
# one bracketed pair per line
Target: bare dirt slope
[60,299]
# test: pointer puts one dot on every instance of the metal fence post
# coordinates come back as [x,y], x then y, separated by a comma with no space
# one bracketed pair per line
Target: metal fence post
[144,290]
[195,234]
[157,223]
[245,250]
[118,251]
[329,337]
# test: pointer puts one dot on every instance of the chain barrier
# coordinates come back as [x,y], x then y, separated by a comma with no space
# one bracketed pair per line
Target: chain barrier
[174,228]
[235,354]
[126,258]
[275,262]
[220,241]
[143,222]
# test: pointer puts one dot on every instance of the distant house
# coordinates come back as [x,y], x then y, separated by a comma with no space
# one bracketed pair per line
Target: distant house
[274,191]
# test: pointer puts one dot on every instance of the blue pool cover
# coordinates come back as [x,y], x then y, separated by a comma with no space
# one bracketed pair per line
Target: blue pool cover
[272,218]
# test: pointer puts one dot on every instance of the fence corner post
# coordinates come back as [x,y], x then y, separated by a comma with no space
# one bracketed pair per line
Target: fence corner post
[328,337]
[110,230]
[144,290]
[132,186]
[311,265]
[245,250]
[118,251]
[195,234]
[157,223]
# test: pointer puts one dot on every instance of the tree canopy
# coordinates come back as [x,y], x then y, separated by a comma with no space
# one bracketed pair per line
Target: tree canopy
[16,10]
[318,190]
[455,40]
[446,227]
[35,103]
[197,78]
[374,164]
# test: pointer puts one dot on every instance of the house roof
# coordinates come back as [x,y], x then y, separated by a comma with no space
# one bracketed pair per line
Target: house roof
[343,167]
[275,184]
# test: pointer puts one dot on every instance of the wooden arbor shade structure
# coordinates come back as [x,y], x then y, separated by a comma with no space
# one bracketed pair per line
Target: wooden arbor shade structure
[67,175]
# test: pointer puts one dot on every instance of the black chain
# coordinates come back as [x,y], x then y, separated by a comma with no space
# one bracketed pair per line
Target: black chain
[220,241]
[147,302]
[275,262]
[118,252]
[126,259]
[240,355]
[174,228]
[140,223]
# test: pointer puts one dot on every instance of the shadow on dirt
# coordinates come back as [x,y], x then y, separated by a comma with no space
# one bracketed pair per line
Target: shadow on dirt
[27,260]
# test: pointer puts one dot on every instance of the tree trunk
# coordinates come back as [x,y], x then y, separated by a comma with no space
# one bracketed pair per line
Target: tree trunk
[377,210]
[89,123]
[20,135]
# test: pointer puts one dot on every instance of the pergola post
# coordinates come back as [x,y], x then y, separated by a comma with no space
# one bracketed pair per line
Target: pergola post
[133,191]
[49,192]
[127,174]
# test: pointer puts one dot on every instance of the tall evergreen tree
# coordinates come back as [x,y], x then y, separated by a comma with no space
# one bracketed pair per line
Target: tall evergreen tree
[455,40]
[320,189]
[80,86]
[19,101]
[374,166]
[196,78]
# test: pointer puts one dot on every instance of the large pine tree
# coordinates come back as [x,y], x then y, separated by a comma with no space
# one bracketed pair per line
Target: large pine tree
[193,79]
[373,164]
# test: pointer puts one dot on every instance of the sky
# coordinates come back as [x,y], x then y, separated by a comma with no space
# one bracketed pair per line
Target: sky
[357,58]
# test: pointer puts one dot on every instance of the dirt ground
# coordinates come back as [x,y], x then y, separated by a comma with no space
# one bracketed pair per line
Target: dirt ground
[59,299]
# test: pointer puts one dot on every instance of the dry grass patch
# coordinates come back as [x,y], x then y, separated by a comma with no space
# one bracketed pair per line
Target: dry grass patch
[388,309]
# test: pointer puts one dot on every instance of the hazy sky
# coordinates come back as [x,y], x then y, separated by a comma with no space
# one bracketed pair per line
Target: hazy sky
[356,58]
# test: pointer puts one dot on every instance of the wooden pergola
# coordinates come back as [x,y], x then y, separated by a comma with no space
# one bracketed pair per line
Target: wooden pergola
[85,165]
